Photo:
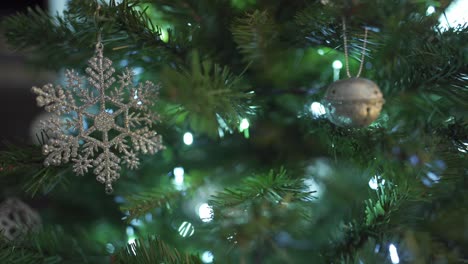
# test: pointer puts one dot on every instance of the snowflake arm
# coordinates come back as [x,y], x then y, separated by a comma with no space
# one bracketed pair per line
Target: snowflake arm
[54,99]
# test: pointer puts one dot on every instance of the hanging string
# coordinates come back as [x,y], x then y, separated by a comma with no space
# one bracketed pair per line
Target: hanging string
[363,51]
[99,45]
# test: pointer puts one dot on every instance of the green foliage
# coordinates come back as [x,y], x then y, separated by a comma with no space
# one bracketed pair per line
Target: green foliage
[425,63]
[387,200]
[46,179]
[274,187]
[124,28]
[17,156]
[221,97]
[254,35]
[49,246]
[25,164]
[260,208]
[154,250]
[140,204]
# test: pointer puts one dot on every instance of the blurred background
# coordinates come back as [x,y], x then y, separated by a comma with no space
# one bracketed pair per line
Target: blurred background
[17,78]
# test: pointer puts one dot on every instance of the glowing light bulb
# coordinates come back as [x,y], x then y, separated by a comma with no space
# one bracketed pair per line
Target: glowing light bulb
[317,109]
[376,181]
[337,65]
[207,257]
[394,254]
[430,10]
[320,52]
[188,138]
[205,212]
[373,183]
[244,124]
[178,176]
[186,229]
[130,231]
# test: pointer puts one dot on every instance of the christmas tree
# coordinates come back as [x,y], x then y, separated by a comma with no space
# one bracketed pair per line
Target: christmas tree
[221,139]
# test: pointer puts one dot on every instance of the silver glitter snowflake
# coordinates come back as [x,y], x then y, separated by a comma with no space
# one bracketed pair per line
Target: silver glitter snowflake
[101,127]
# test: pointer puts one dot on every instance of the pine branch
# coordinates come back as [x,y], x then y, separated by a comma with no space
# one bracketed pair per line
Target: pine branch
[139,205]
[435,64]
[48,247]
[252,214]
[124,28]
[46,179]
[275,187]
[26,163]
[153,251]
[15,156]
[254,35]
[221,97]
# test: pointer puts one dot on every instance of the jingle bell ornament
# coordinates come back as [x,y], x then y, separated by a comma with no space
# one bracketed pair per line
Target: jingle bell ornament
[353,102]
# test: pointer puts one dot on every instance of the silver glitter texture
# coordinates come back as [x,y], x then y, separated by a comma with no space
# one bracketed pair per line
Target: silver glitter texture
[86,119]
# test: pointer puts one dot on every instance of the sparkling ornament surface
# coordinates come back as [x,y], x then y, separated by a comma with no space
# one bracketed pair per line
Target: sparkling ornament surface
[100,127]
[353,102]
[17,218]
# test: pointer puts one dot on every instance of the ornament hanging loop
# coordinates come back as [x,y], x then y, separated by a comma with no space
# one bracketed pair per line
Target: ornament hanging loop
[363,51]
[99,45]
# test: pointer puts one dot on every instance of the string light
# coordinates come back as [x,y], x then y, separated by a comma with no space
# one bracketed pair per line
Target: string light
[317,109]
[244,127]
[393,254]
[186,229]
[430,10]
[244,124]
[376,181]
[207,257]
[337,66]
[205,212]
[188,138]
[178,181]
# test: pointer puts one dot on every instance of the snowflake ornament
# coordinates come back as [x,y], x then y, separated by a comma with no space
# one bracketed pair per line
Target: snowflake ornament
[102,127]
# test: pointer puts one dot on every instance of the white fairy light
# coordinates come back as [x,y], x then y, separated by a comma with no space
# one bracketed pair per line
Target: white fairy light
[188,138]
[315,187]
[244,124]
[394,254]
[430,10]
[376,181]
[186,229]
[205,212]
[337,65]
[373,184]
[207,257]
[179,173]
[130,231]
[317,109]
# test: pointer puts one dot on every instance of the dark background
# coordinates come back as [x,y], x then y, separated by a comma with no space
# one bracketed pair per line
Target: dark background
[17,103]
